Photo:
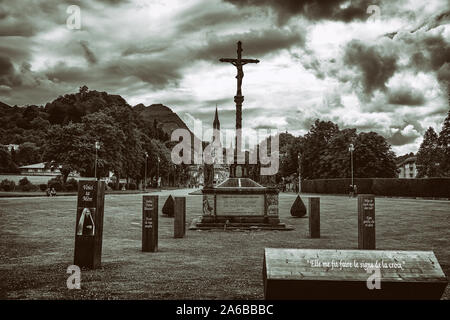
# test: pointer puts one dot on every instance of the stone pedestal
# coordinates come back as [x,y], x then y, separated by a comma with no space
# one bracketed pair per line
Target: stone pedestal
[240,203]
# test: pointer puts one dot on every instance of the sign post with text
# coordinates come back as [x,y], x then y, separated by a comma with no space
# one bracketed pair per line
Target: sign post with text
[150,223]
[366,221]
[89,223]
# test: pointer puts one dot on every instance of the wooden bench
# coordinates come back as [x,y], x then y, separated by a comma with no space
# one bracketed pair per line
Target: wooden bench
[294,274]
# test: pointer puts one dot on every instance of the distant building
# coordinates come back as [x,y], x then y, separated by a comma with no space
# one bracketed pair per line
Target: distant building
[407,168]
[10,147]
[39,169]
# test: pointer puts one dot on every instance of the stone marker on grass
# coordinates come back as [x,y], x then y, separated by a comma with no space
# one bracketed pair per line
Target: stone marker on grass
[366,221]
[179,223]
[298,274]
[314,217]
[168,208]
[89,224]
[150,223]
[298,208]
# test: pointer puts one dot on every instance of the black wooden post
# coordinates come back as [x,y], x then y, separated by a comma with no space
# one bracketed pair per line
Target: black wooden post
[89,224]
[179,224]
[150,223]
[366,221]
[314,217]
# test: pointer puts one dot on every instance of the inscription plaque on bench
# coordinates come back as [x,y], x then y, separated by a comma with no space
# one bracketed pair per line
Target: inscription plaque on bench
[297,274]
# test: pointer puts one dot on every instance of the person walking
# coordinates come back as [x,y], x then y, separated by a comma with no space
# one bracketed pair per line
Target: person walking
[351,191]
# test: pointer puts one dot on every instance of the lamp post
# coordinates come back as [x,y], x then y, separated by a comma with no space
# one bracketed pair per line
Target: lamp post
[157,174]
[299,174]
[97,147]
[351,148]
[145,174]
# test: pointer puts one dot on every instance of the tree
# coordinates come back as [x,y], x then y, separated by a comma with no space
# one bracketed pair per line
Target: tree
[69,147]
[444,147]
[428,157]
[373,157]
[28,153]
[325,153]
[315,157]
[6,163]
[103,128]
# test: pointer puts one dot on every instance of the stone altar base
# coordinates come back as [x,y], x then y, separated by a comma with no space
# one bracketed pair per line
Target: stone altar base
[239,203]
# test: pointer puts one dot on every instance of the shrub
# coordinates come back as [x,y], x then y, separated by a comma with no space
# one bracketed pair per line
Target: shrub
[24,181]
[169,207]
[298,208]
[7,185]
[131,186]
[29,187]
[394,187]
[43,187]
[71,185]
[55,183]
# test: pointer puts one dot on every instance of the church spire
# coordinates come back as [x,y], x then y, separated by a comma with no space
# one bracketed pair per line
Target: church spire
[216,123]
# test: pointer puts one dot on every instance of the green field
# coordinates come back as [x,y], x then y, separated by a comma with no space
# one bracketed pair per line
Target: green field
[37,243]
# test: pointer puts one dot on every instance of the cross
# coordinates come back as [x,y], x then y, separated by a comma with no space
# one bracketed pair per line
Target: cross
[238,98]
[238,63]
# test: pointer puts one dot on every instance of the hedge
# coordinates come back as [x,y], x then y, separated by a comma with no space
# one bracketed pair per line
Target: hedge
[427,187]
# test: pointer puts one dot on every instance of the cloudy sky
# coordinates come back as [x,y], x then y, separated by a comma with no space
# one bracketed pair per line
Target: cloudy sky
[374,65]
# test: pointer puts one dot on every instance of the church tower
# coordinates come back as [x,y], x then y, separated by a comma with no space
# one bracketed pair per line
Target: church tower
[216,127]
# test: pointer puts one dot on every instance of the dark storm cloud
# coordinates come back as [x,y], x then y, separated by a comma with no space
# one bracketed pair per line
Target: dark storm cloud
[201,17]
[162,64]
[63,73]
[88,54]
[429,51]
[406,96]
[375,66]
[444,73]
[15,28]
[313,9]
[255,43]
[399,139]
[158,71]
[8,75]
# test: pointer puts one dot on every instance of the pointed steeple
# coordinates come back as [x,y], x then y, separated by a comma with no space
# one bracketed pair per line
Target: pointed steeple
[216,123]
[216,128]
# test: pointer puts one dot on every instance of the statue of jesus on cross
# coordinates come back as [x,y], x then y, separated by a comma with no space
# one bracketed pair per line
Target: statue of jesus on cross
[238,99]
[238,63]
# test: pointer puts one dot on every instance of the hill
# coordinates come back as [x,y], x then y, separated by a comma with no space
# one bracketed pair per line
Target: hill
[167,120]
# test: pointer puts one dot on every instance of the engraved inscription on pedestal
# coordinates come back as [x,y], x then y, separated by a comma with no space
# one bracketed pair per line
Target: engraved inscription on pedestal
[243,205]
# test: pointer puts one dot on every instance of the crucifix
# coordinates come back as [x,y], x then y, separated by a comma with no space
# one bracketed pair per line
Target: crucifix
[239,98]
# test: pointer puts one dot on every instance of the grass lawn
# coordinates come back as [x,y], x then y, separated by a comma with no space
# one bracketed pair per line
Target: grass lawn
[37,243]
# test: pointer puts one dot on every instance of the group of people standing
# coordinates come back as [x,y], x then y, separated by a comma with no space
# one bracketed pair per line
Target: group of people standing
[51,192]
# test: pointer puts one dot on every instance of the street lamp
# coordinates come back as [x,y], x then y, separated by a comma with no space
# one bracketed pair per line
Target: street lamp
[157,174]
[351,148]
[145,175]
[299,174]
[97,147]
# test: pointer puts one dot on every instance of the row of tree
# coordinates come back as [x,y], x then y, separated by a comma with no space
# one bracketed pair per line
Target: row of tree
[69,128]
[324,153]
